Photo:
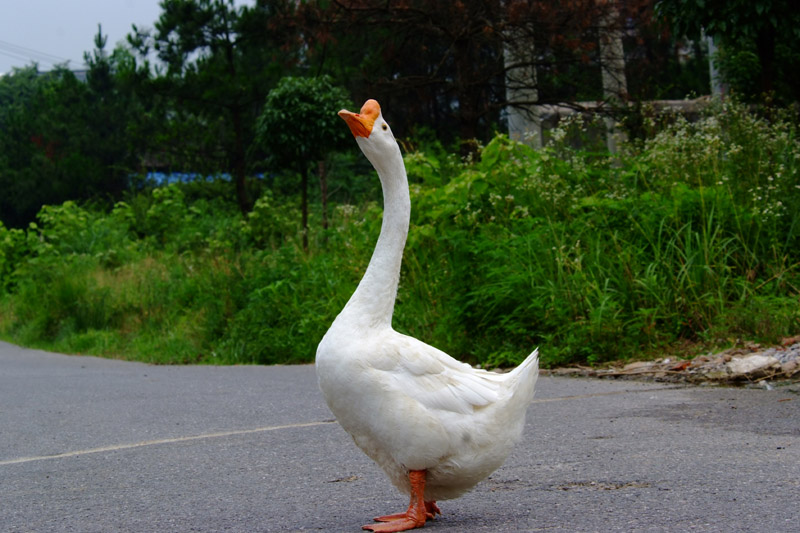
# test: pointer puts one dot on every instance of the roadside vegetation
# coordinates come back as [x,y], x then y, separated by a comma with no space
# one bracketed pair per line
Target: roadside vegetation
[687,239]
[192,197]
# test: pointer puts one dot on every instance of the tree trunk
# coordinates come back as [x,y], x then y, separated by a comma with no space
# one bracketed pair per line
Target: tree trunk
[239,161]
[239,170]
[304,205]
[765,46]
[323,189]
[468,96]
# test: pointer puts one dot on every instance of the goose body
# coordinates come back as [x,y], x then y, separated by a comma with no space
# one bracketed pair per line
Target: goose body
[436,426]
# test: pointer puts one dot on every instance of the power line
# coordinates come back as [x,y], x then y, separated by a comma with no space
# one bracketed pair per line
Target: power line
[23,52]
[12,55]
[31,51]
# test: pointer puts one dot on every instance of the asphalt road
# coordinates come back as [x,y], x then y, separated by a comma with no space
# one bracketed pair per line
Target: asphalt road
[94,445]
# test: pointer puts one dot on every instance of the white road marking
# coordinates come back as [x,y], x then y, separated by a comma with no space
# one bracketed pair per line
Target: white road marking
[117,447]
[606,393]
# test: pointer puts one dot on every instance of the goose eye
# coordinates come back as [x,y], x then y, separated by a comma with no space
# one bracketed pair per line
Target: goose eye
[385,127]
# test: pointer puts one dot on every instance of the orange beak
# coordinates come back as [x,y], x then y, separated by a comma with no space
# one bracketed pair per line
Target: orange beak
[361,123]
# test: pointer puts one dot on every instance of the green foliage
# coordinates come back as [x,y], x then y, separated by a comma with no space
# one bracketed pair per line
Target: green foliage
[269,224]
[758,40]
[12,248]
[298,125]
[733,19]
[688,236]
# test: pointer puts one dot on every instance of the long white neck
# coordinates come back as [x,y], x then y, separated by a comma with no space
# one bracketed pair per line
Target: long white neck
[372,303]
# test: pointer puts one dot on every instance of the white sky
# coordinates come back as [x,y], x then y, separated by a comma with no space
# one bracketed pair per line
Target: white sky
[48,31]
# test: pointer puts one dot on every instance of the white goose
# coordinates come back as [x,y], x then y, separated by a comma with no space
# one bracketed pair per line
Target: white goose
[435,425]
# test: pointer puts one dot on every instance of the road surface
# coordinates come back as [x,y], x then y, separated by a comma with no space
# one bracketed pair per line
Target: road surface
[96,445]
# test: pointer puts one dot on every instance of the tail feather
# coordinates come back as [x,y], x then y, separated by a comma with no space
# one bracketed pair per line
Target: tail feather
[522,380]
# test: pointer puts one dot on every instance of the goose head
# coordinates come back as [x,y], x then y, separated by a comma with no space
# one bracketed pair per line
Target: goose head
[375,138]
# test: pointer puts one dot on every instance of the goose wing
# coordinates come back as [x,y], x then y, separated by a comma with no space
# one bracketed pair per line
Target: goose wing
[434,379]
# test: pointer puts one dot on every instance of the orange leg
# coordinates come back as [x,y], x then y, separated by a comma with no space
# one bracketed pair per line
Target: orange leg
[419,511]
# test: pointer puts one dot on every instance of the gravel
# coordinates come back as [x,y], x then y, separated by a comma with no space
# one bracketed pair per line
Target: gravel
[750,364]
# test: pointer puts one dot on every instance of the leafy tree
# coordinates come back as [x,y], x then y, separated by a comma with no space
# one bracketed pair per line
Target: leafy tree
[42,141]
[220,60]
[770,27]
[299,126]
[63,139]
[114,115]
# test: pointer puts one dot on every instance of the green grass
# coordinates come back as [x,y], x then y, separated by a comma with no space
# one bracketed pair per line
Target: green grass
[687,239]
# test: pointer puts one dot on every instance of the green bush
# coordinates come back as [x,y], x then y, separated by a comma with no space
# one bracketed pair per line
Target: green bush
[689,236]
